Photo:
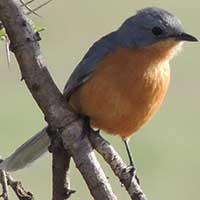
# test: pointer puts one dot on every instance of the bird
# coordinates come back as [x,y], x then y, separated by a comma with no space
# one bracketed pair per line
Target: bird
[121,82]
[123,79]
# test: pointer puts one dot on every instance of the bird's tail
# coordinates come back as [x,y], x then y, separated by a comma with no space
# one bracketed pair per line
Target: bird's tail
[27,153]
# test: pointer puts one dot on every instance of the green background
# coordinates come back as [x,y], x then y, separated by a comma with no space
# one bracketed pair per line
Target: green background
[166,150]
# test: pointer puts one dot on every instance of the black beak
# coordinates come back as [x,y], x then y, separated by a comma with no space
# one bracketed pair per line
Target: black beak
[186,37]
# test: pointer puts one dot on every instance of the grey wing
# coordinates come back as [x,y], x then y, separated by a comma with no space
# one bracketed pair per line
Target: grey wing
[88,65]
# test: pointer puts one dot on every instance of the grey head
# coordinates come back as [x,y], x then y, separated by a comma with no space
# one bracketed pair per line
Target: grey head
[151,25]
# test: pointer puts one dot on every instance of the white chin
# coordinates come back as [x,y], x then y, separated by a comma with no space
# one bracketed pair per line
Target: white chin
[176,49]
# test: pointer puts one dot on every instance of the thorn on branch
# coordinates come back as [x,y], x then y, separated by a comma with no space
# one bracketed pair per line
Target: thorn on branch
[37,8]
[28,8]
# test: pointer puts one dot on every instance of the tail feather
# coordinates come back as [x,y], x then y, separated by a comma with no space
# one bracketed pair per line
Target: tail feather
[27,153]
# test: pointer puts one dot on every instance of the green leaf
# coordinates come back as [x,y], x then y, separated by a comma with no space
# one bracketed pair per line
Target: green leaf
[2,34]
[37,29]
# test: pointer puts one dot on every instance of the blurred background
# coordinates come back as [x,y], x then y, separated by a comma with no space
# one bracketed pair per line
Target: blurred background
[165,151]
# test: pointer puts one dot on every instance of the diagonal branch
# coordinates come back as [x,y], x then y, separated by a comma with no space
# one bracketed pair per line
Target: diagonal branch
[18,189]
[34,71]
[38,7]
[86,161]
[4,183]
[28,8]
[120,169]
[7,180]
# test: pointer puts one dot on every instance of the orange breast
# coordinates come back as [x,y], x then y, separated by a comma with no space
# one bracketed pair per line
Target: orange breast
[125,91]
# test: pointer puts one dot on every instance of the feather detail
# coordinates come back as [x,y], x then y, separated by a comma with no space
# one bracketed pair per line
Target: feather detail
[127,88]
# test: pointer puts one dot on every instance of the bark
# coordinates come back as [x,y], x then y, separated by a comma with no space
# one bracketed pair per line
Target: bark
[4,183]
[24,44]
[19,190]
[64,123]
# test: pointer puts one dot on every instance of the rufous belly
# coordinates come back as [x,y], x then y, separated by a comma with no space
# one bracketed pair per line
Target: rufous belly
[124,92]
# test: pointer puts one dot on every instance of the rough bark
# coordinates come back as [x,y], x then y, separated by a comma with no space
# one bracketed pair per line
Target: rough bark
[60,169]
[24,44]
[4,183]
[120,169]
[19,190]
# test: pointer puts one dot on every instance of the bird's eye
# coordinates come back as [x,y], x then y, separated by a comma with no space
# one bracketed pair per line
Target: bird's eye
[157,31]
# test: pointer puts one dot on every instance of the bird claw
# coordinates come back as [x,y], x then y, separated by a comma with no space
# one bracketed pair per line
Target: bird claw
[132,170]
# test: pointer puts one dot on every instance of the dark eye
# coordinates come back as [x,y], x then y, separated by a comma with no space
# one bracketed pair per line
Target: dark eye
[157,30]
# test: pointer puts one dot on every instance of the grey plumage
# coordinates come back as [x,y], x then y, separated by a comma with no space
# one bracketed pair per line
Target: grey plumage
[135,32]
[27,153]
[88,65]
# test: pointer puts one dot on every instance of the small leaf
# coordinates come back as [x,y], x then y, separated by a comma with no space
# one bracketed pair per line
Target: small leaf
[38,29]
[2,34]
[35,28]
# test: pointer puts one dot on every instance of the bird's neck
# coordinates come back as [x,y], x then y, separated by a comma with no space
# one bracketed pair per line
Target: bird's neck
[163,51]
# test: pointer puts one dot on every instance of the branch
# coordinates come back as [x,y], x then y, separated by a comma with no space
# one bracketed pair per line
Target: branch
[18,189]
[61,182]
[3,181]
[86,161]
[34,71]
[38,7]
[60,167]
[120,169]
[28,8]
[23,42]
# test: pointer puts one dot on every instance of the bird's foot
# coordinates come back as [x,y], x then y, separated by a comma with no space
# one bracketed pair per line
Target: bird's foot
[132,170]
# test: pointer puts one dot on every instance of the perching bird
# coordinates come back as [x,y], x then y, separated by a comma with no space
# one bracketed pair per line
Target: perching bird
[121,82]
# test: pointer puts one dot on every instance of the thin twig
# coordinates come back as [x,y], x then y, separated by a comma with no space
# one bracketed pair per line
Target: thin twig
[25,4]
[28,2]
[18,189]
[28,8]
[60,167]
[37,8]
[120,169]
[3,181]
